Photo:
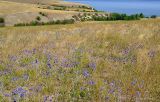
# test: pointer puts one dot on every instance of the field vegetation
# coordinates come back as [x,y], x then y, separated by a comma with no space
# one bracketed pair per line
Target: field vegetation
[36,23]
[85,62]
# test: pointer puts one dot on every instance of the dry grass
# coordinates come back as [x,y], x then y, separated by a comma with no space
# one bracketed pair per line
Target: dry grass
[47,2]
[32,1]
[114,61]
[12,7]
[14,13]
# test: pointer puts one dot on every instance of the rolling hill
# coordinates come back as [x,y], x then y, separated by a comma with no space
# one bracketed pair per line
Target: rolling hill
[25,11]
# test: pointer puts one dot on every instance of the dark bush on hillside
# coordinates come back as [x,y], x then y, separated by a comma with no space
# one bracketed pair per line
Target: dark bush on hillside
[43,14]
[20,24]
[141,15]
[58,22]
[38,18]
[70,21]
[1,20]
[58,7]
[153,16]
[35,23]
[84,7]
[117,16]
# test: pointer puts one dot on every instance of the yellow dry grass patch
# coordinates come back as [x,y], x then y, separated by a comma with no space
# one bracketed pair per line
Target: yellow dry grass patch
[13,7]
[22,37]
[25,13]
[32,1]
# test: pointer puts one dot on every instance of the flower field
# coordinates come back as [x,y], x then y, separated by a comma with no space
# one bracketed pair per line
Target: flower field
[86,62]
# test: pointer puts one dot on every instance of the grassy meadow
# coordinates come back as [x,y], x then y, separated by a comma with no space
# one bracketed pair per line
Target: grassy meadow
[114,61]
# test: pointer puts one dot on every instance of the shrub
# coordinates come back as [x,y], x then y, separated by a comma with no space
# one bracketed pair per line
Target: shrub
[35,23]
[43,14]
[153,16]
[115,16]
[68,21]
[1,20]
[141,15]
[38,18]
[82,94]
[58,22]
[60,8]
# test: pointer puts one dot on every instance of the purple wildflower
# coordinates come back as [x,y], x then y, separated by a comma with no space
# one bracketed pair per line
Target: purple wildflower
[6,72]
[38,88]
[138,94]
[102,88]
[112,84]
[45,98]
[27,52]
[65,63]
[13,58]
[19,91]
[34,51]
[47,73]
[92,65]
[49,57]
[36,61]
[151,53]
[119,90]
[48,99]
[111,91]
[49,65]
[7,95]
[86,73]
[126,51]
[141,84]
[133,82]
[55,60]
[15,79]
[91,82]
[82,88]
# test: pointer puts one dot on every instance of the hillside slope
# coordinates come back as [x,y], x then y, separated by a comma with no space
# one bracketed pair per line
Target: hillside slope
[32,1]
[14,13]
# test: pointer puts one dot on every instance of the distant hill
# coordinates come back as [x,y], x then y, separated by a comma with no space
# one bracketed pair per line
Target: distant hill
[32,1]
[55,2]
[15,12]
[26,11]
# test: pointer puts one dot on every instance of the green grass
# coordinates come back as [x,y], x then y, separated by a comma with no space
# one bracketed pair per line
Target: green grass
[91,61]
